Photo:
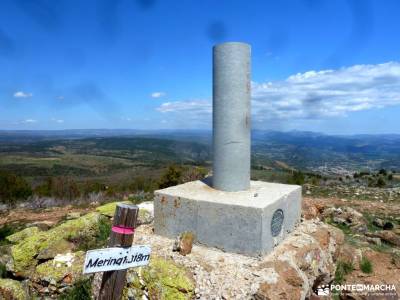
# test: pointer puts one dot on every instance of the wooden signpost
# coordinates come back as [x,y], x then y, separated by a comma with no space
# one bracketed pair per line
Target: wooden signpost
[121,255]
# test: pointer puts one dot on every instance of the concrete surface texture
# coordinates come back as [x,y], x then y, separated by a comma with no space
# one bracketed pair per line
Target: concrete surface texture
[231,116]
[249,222]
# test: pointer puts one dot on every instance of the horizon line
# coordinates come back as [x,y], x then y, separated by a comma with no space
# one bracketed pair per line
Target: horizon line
[192,130]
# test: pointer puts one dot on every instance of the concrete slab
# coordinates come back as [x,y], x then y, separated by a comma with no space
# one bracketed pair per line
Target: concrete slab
[249,222]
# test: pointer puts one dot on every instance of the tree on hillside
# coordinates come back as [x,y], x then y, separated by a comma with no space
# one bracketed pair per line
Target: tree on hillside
[59,187]
[297,178]
[65,188]
[382,172]
[171,177]
[143,184]
[44,189]
[380,182]
[92,187]
[13,187]
[192,174]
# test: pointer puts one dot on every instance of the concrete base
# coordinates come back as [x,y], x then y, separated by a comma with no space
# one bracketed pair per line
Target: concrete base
[248,222]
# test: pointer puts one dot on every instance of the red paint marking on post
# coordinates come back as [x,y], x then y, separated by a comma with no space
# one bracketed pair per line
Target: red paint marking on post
[113,282]
[123,230]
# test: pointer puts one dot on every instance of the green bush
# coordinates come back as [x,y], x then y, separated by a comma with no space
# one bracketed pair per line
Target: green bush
[3,270]
[44,189]
[342,269]
[9,229]
[13,188]
[380,182]
[365,265]
[194,173]
[6,230]
[59,187]
[344,227]
[93,187]
[142,184]
[86,242]
[104,232]
[81,290]
[297,178]
[171,177]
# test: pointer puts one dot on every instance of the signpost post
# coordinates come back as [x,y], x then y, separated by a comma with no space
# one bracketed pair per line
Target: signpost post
[121,255]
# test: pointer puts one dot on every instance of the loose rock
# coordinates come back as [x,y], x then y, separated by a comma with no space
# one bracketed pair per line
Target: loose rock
[12,289]
[184,243]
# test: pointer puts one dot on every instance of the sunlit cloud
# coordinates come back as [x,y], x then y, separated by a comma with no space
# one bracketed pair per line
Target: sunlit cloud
[193,106]
[28,121]
[21,94]
[328,93]
[158,94]
[313,95]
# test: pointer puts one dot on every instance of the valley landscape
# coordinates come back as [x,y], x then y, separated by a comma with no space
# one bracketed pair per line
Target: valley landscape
[53,179]
[116,159]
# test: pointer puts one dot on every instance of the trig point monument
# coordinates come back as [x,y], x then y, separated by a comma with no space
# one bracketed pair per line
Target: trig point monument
[231,117]
[228,211]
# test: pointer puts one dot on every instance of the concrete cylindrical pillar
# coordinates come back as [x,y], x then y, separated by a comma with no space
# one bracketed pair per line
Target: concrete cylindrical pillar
[231,116]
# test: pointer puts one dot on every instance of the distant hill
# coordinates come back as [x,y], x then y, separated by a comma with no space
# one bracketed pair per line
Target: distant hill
[297,149]
[22,136]
[316,151]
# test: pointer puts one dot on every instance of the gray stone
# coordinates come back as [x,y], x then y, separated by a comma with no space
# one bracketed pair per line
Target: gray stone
[231,116]
[232,221]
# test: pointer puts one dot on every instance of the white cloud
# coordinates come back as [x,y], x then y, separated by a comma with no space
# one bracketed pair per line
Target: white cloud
[158,94]
[193,106]
[186,114]
[313,94]
[328,93]
[60,97]
[127,119]
[21,94]
[59,121]
[29,121]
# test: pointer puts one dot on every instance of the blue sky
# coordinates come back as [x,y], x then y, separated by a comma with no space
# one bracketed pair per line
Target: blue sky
[319,65]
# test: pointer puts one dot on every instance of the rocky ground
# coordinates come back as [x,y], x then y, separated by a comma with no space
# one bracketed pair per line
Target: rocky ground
[288,273]
[338,241]
[352,191]
[371,250]
[49,216]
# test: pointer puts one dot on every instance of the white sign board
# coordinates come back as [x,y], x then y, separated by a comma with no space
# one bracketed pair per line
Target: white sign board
[111,259]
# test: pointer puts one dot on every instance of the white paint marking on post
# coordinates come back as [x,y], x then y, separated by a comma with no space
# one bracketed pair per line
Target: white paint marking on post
[111,259]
